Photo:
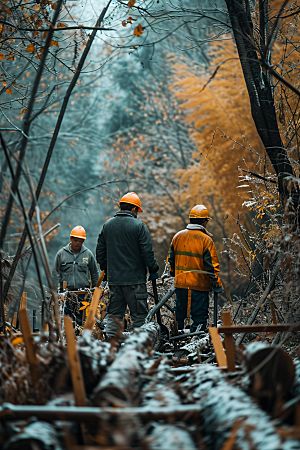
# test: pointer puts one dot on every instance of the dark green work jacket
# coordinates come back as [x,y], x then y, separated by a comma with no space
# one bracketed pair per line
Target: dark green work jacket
[77,270]
[124,250]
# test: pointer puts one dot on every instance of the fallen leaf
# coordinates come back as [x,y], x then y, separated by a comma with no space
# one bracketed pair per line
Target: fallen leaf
[30,48]
[138,30]
[53,43]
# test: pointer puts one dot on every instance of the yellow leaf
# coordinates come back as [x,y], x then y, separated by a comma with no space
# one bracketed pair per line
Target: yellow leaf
[61,25]
[30,48]
[53,43]
[85,305]
[37,7]
[23,111]
[17,341]
[138,30]
[9,91]
[131,3]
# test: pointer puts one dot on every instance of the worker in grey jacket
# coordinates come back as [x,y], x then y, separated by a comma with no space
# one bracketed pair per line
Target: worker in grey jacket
[124,251]
[75,264]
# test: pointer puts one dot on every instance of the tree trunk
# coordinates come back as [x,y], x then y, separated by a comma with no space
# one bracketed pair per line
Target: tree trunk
[260,92]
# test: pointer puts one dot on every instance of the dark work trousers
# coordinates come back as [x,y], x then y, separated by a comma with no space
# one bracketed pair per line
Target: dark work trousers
[199,308]
[135,296]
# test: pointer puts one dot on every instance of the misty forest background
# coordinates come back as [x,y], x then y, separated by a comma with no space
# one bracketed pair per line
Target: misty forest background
[161,107]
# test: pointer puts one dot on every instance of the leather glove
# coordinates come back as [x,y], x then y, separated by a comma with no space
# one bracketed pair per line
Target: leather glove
[153,276]
[217,288]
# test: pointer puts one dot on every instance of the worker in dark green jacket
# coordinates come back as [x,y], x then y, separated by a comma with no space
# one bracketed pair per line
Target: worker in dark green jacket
[124,251]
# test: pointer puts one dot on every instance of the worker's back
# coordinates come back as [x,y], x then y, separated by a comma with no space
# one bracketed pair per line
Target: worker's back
[126,244]
[192,248]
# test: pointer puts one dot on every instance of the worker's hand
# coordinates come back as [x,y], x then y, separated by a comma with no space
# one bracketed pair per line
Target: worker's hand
[153,276]
[217,288]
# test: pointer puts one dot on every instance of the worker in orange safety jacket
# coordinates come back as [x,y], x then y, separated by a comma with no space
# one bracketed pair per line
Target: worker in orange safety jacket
[195,265]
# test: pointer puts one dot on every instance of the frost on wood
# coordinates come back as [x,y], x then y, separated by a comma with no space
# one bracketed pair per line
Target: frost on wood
[121,383]
[223,406]
[170,436]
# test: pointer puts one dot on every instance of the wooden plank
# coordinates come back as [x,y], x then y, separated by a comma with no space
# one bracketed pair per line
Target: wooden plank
[23,300]
[75,367]
[15,320]
[259,328]
[30,351]
[90,321]
[218,346]
[100,278]
[229,344]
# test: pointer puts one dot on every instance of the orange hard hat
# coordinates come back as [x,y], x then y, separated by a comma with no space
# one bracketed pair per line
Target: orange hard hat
[78,232]
[133,199]
[199,212]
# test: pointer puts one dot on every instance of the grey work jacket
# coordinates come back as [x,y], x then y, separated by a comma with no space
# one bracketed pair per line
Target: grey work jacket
[124,250]
[77,270]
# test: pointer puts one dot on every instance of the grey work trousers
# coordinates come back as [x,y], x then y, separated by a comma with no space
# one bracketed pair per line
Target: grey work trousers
[135,296]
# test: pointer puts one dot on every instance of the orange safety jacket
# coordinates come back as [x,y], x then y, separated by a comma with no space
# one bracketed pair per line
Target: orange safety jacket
[192,249]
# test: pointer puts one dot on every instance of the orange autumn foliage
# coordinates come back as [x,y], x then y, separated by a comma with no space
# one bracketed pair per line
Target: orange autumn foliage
[218,113]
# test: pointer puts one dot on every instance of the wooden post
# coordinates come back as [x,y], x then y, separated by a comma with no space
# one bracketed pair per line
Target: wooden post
[90,321]
[218,347]
[229,344]
[15,320]
[30,351]
[23,300]
[64,285]
[273,313]
[75,367]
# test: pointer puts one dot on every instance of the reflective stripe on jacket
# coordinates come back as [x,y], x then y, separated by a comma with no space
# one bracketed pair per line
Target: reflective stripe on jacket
[192,249]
